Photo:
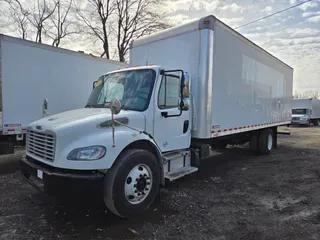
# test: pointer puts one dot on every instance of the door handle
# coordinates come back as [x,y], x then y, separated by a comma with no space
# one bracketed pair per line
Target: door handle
[185,126]
[164,114]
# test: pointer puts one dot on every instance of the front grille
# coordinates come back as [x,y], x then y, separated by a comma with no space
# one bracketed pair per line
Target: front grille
[41,144]
[295,118]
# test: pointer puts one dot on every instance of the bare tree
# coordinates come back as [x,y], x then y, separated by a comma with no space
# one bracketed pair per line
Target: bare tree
[19,16]
[136,18]
[96,18]
[40,14]
[60,22]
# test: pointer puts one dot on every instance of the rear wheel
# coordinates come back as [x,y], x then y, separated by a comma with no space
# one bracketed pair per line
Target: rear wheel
[132,183]
[266,141]
[316,122]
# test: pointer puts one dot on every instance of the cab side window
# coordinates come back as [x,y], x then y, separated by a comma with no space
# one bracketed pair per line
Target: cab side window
[169,92]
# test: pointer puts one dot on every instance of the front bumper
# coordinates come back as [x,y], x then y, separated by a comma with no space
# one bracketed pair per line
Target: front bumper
[47,178]
[299,122]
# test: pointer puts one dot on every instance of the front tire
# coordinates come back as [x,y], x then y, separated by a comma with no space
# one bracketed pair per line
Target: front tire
[132,184]
[308,123]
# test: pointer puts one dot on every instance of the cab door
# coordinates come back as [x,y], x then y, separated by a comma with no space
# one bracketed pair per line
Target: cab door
[172,125]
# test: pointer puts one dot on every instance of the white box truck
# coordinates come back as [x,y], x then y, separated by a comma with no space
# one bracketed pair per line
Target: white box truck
[305,111]
[150,123]
[31,72]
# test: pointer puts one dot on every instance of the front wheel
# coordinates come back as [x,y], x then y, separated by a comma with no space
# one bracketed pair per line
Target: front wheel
[308,123]
[132,184]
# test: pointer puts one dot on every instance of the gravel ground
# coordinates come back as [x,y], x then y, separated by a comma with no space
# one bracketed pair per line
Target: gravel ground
[10,163]
[234,195]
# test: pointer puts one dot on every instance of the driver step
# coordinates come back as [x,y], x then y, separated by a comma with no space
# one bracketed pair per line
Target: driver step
[180,172]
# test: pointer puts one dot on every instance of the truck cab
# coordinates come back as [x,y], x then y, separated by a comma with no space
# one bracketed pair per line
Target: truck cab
[135,122]
[301,116]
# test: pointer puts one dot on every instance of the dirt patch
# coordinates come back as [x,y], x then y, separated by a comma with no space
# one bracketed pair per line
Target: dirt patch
[9,163]
[234,195]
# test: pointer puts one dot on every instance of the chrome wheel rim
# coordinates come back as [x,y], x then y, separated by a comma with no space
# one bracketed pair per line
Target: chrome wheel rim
[138,184]
[270,142]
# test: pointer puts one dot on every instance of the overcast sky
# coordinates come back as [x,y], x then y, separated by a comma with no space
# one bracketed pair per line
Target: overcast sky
[292,36]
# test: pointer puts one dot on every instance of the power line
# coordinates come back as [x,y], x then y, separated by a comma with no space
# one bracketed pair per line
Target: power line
[281,11]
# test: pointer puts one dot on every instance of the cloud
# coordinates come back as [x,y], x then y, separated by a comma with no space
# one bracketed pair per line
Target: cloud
[174,6]
[309,14]
[314,19]
[308,5]
[300,32]
[233,7]
[212,5]
[296,41]
[191,5]
[180,19]
[259,35]
[231,21]
[268,9]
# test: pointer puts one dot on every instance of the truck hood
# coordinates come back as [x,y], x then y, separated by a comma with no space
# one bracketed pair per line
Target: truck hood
[81,128]
[84,116]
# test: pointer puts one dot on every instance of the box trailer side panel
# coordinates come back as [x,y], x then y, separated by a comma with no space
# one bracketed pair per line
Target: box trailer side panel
[178,48]
[315,108]
[33,72]
[250,87]
[301,103]
[234,83]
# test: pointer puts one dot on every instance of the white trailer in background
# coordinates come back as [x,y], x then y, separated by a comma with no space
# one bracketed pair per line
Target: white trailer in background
[210,87]
[31,72]
[305,111]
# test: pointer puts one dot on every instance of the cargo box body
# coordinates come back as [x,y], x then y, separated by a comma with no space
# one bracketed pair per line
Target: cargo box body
[308,103]
[31,72]
[236,86]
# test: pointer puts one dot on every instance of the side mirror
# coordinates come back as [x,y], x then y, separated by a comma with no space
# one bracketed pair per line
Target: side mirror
[94,84]
[186,91]
[115,106]
[97,83]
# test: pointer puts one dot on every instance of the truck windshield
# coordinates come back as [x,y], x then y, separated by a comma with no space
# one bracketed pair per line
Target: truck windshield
[299,111]
[133,88]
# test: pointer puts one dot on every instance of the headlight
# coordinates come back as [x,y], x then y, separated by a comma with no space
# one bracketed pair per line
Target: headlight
[87,153]
[304,118]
